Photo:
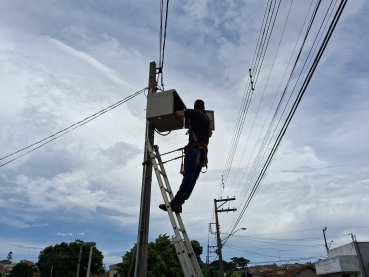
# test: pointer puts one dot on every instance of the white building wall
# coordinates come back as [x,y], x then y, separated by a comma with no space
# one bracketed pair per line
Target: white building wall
[344,250]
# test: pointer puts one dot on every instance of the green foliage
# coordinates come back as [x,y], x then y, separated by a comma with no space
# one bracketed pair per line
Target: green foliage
[62,259]
[240,263]
[226,265]
[229,273]
[237,263]
[2,274]
[22,270]
[162,259]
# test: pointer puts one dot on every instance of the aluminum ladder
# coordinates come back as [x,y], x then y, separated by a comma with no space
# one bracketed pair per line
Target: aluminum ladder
[182,243]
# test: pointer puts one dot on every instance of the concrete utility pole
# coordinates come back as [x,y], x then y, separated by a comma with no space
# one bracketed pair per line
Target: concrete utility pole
[141,266]
[79,257]
[92,244]
[325,240]
[219,242]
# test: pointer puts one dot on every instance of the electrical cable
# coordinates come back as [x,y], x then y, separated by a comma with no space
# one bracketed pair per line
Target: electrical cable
[162,42]
[247,96]
[76,125]
[161,133]
[264,87]
[259,155]
[262,96]
[295,105]
[160,39]
[323,29]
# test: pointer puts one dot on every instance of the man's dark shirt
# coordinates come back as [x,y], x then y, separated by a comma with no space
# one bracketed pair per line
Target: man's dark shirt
[199,124]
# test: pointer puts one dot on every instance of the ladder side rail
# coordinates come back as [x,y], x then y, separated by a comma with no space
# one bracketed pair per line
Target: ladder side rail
[189,248]
[182,248]
[181,257]
[187,241]
[161,185]
[165,176]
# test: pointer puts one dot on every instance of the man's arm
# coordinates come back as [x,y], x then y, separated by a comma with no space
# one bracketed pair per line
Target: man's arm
[179,114]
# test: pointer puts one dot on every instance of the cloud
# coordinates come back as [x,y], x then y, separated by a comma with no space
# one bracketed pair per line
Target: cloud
[67,234]
[13,222]
[109,73]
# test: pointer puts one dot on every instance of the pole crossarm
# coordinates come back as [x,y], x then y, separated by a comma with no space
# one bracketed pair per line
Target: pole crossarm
[221,200]
[226,210]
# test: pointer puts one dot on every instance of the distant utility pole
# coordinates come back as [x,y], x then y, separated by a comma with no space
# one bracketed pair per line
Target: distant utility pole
[221,270]
[325,240]
[92,244]
[79,256]
[141,265]
[208,256]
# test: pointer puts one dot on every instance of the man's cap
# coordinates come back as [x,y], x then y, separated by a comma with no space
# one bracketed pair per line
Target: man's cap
[199,104]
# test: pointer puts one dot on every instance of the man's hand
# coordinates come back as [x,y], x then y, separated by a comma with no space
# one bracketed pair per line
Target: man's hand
[179,114]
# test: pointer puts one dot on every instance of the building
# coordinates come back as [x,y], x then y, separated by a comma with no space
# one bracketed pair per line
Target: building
[349,260]
[303,271]
[113,270]
[7,266]
[4,270]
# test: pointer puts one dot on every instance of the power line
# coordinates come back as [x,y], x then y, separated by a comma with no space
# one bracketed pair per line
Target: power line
[262,96]
[71,128]
[295,105]
[162,41]
[245,189]
[260,51]
[261,153]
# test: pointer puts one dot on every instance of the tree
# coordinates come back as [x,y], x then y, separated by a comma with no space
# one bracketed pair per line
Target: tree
[226,265]
[62,259]
[240,263]
[162,259]
[22,270]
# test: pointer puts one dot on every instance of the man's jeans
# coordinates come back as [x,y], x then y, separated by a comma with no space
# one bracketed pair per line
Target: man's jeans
[192,171]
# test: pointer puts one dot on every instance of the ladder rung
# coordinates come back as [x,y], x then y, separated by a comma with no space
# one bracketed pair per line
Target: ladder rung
[181,230]
[161,173]
[189,253]
[167,190]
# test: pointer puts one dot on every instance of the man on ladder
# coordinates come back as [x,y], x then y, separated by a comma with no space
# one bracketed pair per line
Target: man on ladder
[195,152]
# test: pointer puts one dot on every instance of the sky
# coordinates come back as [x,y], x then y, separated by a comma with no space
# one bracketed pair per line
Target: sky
[62,61]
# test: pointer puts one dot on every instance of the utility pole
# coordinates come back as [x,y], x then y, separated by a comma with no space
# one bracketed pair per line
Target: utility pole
[219,242]
[79,257]
[92,244]
[208,256]
[141,265]
[325,240]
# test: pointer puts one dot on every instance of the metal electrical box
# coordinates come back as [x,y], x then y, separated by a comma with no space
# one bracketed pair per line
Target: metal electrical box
[210,114]
[160,109]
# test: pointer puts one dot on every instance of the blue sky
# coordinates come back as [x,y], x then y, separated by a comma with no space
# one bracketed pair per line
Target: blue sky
[65,60]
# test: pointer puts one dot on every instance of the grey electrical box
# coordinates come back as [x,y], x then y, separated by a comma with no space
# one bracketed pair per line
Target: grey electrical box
[160,109]
[210,114]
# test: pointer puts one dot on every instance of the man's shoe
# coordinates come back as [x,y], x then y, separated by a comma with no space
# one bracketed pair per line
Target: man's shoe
[163,207]
[175,207]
